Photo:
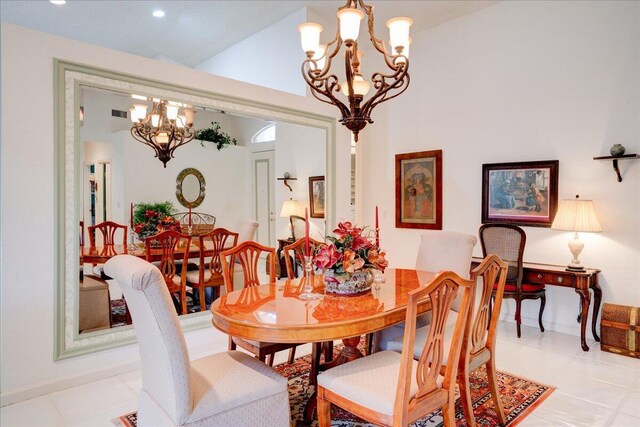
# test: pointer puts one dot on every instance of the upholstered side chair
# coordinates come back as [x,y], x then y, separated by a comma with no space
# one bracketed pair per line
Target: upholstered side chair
[223,389]
[364,386]
[438,251]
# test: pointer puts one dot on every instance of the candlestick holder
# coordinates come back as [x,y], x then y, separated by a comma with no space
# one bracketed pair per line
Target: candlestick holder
[307,291]
[132,245]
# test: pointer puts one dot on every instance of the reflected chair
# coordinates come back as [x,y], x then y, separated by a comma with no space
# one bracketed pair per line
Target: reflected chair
[438,251]
[209,274]
[364,386]
[246,255]
[166,245]
[109,231]
[292,261]
[508,241]
[224,389]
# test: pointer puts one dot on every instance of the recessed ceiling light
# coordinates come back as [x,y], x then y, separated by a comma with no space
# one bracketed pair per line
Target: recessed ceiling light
[57,2]
[158,13]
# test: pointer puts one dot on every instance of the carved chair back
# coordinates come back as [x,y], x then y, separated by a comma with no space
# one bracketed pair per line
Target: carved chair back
[506,241]
[441,292]
[247,255]
[298,249]
[108,230]
[215,240]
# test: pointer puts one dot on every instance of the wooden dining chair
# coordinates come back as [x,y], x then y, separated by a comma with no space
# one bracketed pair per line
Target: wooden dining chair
[508,242]
[365,386]
[167,244]
[246,255]
[293,256]
[209,274]
[109,230]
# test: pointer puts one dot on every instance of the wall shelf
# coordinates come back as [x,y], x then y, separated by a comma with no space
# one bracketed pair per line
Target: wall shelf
[615,161]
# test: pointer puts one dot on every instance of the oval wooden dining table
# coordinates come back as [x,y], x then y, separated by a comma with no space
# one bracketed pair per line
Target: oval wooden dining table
[275,313]
[102,254]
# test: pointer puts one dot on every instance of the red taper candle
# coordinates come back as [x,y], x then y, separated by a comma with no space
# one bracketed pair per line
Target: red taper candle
[377,229]
[307,248]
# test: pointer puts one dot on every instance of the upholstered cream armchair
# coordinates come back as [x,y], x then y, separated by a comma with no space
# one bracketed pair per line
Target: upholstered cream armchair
[224,389]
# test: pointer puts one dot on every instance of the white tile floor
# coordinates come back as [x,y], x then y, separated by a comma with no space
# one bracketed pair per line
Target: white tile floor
[593,388]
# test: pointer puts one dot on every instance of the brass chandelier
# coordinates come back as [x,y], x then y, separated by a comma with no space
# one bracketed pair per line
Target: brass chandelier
[356,112]
[163,129]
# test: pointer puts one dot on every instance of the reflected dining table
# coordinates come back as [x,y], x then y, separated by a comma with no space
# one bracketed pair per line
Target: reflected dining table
[275,313]
[101,254]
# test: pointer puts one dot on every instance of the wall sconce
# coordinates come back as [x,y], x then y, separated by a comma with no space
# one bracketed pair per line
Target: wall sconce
[286,178]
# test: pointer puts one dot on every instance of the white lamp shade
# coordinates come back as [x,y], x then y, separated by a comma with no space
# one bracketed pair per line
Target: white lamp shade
[290,207]
[310,36]
[399,31]
[576,215]
[181,120]
[320,56]
[172,112]
[360,86]
[132,114]
[190,115]
[155,120]
[350,23]
[405,52]
[141,111]
[162,138]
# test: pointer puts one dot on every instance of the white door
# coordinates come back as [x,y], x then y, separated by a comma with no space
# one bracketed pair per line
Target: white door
[264,196]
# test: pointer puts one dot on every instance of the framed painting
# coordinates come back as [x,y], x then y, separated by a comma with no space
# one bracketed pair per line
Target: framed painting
[419,190]
[316,196]
[522,193]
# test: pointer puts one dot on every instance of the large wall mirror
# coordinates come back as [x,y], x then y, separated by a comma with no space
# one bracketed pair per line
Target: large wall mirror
[103,174]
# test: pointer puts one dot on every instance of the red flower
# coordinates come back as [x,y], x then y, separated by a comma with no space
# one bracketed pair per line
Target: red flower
[360,242]
[327,257]
[151,213]
[347,229]
[139,227]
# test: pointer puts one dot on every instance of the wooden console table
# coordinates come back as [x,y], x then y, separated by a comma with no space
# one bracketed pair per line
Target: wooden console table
[556,275]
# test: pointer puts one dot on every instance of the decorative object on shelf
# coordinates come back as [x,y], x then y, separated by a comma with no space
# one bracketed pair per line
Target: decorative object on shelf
[151,218]
[576,215]
[348,260]
[286,178]
[316,196]
[190,188]
[617,150]
[356,112]
[164,129]
[216,135]
[615,159]
[419,190]
[522,193]
[289,209]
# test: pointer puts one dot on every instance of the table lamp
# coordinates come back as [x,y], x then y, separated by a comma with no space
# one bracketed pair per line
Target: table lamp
[576,215]
[290,208]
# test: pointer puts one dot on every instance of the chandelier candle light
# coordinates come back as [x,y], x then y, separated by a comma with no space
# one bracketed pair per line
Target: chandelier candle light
[356,112]
[164,129]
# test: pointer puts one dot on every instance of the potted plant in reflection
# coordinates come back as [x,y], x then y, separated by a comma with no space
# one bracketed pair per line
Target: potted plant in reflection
[216,135]
[349,261]
[151,218]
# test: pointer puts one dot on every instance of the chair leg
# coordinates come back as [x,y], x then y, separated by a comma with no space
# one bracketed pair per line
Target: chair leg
[449,414]
[324,409]
[183,300]
[316,352]
[232,345]
[292,355]
[518,319]
[492,376]
[270,358]
[543,301]
[203,302]
[328,351]
[465,397]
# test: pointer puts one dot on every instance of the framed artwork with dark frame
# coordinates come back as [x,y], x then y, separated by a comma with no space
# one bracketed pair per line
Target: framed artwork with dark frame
[521,193]
[316,196]
[419,190]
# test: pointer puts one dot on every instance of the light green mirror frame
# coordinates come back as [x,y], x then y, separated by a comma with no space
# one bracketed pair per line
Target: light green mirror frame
[68,77]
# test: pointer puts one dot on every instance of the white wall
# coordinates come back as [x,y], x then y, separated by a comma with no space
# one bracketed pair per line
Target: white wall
[27,203]
[523,81]
[271,57]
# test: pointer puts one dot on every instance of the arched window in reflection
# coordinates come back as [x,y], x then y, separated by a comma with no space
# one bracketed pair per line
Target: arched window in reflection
[266,134]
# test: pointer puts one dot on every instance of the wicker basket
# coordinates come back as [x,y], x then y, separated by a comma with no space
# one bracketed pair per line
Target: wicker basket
[620,330]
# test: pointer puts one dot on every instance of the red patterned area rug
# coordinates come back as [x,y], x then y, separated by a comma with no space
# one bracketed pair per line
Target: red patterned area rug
[519,398]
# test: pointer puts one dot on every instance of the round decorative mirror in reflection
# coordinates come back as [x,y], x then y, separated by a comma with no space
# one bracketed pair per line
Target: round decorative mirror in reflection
[190,188]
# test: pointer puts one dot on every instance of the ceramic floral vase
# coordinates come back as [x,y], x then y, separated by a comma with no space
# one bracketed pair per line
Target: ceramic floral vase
[346,284]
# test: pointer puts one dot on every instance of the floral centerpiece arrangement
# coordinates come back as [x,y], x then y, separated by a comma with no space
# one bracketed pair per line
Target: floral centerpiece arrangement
[348,260]
[151,218]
